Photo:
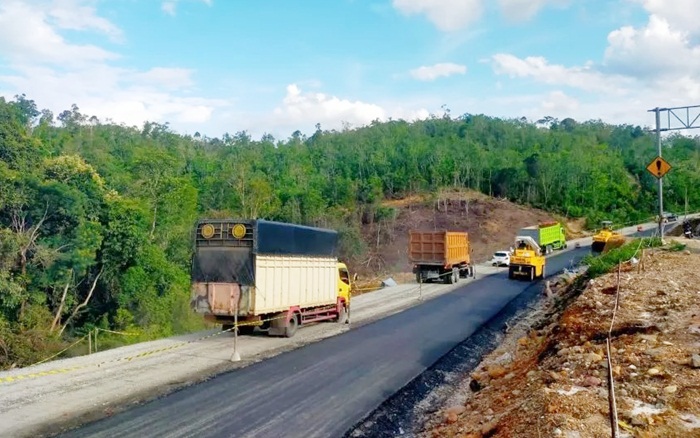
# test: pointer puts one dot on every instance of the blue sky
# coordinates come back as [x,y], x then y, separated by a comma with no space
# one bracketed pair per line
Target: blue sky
[216,66]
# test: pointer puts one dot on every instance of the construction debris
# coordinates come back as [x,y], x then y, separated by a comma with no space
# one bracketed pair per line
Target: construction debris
[549,376]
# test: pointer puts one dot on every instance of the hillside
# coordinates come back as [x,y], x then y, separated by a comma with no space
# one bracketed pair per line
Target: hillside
[491,223]
[548,376]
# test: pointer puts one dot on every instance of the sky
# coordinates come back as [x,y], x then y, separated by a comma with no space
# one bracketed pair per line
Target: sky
[275,66]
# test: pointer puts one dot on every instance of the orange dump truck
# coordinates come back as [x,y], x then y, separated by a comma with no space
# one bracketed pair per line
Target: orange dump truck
[440,255]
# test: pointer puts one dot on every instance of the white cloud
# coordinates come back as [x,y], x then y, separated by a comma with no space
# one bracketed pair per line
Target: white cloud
[81,15]
[302,110]
[538,68]
[652,51]
[57,73]
[27,36]
[447,15]
[682,15]
[523,10]
[168,78]
[430,73]
[170,6]
[558,102]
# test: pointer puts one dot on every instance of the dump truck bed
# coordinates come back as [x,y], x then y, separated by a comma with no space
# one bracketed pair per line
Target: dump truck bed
[443,248]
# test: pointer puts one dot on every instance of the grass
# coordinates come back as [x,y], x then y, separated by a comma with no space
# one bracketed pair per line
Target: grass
[604,263]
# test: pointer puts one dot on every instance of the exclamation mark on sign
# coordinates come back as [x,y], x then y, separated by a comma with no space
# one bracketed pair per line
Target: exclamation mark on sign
[658,168]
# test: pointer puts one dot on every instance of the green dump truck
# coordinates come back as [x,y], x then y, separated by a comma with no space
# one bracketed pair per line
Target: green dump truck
[549,236]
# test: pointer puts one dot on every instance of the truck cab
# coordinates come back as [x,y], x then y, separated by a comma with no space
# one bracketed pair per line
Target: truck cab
[344,284]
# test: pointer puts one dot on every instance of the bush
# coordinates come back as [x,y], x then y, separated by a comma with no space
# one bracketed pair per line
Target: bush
[602,264]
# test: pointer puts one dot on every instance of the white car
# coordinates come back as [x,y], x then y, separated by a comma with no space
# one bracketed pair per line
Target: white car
[501,258]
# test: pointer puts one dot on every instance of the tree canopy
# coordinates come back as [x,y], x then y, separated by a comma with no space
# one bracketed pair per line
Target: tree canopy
[96,219]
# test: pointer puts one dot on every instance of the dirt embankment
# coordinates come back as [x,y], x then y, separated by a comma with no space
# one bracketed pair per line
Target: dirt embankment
[549,376]
[491,223]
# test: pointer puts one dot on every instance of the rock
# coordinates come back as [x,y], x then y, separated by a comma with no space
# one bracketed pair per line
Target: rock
[632,367]
[670,389]
[523,341]
[475,386]
[489,412]
[509,376]
[591,381]
[504,359]
[593,357]
[667,343]
[531,374]
[654,371]
[695,361]
[497,372]
[617,370]
[489,428]
[555,376]
[515,392]
[452,413]
[558,432]
[654,352]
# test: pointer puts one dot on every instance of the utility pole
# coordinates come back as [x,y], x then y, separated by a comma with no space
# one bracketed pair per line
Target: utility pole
[661,180]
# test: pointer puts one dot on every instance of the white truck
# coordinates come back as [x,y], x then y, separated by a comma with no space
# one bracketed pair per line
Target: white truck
[272,275]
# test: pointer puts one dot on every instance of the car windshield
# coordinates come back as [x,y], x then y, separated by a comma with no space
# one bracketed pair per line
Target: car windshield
[500,254]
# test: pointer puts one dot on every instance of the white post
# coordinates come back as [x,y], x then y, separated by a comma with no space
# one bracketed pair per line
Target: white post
[235,357]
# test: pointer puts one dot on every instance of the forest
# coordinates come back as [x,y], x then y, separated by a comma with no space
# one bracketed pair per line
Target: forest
[96,218]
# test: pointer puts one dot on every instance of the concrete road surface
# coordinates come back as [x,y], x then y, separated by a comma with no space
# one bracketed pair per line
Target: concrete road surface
[323,389]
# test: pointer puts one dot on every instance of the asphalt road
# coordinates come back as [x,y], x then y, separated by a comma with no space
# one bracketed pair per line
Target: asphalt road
[323,389]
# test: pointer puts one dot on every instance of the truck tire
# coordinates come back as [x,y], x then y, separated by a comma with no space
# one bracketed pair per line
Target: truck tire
[246,329]
[532,273]
[511,272]
[292,326]
[544,271]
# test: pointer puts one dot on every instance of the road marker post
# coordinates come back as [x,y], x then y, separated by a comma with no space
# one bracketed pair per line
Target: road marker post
[236,357]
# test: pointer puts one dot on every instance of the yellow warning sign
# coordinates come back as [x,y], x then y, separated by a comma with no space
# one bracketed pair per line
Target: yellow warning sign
[659,167]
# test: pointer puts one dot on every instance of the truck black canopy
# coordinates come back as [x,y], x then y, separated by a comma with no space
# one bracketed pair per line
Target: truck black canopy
[220,256]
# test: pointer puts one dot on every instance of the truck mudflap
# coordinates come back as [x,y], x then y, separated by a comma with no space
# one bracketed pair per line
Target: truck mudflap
[216,298]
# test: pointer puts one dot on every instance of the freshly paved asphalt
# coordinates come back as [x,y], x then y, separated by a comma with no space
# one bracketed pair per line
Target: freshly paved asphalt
[325,388]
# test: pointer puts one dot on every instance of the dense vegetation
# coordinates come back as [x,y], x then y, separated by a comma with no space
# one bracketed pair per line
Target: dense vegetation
[96,218]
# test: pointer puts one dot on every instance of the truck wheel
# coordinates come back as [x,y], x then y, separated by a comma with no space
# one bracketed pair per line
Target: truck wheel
[511,272]
[246,329]
[544,271]
[292,326]
[532,273]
